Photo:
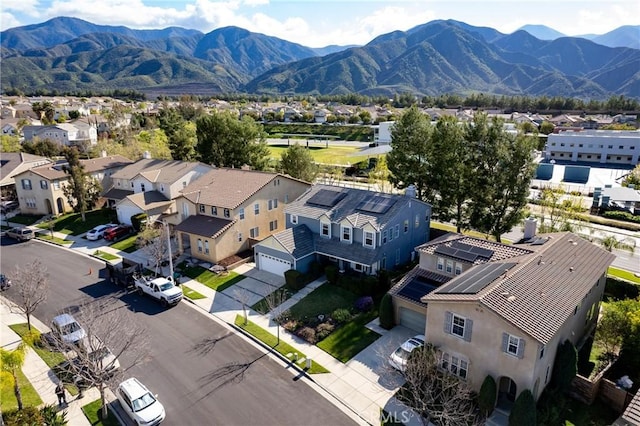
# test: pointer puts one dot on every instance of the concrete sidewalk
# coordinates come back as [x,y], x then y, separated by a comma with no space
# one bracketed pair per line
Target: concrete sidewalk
[38,372]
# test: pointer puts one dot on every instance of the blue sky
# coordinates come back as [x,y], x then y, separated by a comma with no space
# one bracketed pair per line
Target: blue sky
[318,23]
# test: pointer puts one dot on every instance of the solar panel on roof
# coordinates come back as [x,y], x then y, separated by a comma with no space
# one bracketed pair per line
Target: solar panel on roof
[461,246]
[483,252]
[376,204]
[475,279]
[456,254]
[326,198]
[415,289]
[445,250]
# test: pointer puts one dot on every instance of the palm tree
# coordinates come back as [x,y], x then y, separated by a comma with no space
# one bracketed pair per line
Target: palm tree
[610,242]
[10,363]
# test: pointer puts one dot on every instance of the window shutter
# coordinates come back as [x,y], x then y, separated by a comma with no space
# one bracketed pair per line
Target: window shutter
[468,326]
[448,318]
[505,342]
[521,349]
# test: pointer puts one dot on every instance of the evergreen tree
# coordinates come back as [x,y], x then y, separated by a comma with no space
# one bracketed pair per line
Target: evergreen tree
[297,162]
[81,191]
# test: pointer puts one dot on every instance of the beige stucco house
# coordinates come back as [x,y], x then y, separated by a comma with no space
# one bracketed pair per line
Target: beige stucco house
[40,190]
[227,210]
[503,310]
[14,163]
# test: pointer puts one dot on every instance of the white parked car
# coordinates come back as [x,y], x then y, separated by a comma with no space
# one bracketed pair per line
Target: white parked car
[67,329]
[140,405]
[399,357]
[98,232]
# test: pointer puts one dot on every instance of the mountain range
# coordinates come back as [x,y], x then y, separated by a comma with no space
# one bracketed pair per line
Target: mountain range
[443,56]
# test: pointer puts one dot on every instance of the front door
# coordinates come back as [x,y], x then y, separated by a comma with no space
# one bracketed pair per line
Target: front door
[507,391]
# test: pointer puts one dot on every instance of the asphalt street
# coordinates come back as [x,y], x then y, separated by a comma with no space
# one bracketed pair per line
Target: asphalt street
[203,373]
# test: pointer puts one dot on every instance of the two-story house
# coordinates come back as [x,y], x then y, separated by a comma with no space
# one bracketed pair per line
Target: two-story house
[40,190]
[355,229]
[503,310]
[64,134]
[226,211]
[151,186]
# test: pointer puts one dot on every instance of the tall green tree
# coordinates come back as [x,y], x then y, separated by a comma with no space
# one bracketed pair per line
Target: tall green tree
[44,110]
[81,190]
[409,161]
[633,178]
[183,142]
[10,143]
[225,141]
[504,171]
[297,162]
[43,147]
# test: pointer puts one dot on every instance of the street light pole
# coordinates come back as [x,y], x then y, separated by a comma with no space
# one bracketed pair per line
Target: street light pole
[164,222]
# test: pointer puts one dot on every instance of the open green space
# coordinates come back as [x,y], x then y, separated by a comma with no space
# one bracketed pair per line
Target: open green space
[92,412]
[217,282]
[351,338]
[24,219]
[54,239]
[104,255]
[623,274]
[30,397]
[128,245]
[272,341]
[191,293]
[343,155]
[72,223]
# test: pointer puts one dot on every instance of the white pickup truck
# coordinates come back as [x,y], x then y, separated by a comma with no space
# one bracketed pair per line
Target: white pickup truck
[161,289]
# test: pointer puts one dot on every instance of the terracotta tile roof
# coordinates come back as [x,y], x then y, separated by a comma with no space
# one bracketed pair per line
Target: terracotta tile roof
[500,251]
[228,188]
[544,287]
[205,226]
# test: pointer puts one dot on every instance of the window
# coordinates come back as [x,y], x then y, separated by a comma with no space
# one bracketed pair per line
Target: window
[273,225]
[199,245]
[397,231]
[26,184]
[206,247]
[610,146]
[346,233]
[541,351]
[416,223]
[458,268]
[512,345]
[286,198]
[546,376]
[256,209]
[294,219]
[44,184]
[325,230]
[201,208]
[369,240]
[440,265]
[254,232]
[273,204]
[449,266]
[384,236]
[161,188]
[239,237]
[241,213]
[56,185]
[227,213]
[357,267]
[391,234]
[30,202]
[142,187]
[132,184]
[397,256]
[455,365]
[406,226]
[458,326]
[214,211]
[621,147]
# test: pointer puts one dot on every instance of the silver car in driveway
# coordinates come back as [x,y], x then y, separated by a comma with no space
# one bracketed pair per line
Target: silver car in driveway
[399,357]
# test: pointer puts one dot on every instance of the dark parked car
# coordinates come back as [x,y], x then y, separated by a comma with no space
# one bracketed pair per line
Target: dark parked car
[116,233]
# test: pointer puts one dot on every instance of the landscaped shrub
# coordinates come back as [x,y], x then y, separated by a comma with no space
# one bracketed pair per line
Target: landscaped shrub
[308,334]
[383,283]
[620,290]
[331,271]
[364,304]
[523,412]
[618,215]
[290,325]
[487,395]
[137,220]
[315,269]
[341,315]
[26,416]
[324,329]
[386,312]
[565,366]
[292,278]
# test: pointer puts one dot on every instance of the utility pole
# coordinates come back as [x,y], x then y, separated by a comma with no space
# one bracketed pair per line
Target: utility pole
[164,222]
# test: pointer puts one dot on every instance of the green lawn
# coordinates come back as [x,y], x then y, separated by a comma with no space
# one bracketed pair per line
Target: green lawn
[623,274]
[272,341]
[72,223]
[323,300]
[210,279]
[92,412]
[191,293]
[128,245]
[104,255]
[56,240]
[30,397]
[351,338]
[25,219]
[279,296]
[345,155]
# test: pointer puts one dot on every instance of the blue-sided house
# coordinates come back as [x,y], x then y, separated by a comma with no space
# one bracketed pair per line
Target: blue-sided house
[352,228]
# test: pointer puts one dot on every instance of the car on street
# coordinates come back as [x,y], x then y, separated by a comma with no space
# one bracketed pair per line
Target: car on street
[93,363]
[113,234]
[139,403]
[399,357]
[20,234]
[65,329]
[5,282]
[98,232]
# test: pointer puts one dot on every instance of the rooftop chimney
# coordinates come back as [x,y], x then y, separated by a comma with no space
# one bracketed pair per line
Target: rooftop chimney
[411,191]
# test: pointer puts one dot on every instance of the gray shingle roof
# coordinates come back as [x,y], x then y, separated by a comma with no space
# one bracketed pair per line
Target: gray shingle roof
[298,241]
[347,208]
[117,194]
[206,226]
[149,200]
[545,286]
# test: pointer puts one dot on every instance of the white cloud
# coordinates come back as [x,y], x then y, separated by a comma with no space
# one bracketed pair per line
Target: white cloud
[7,21]
[27,7]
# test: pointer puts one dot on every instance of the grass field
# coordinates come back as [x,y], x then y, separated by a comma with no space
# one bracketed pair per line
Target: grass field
[92,412]
[73,224]
[623,274]
[344,155]
[128,245]
[8,401]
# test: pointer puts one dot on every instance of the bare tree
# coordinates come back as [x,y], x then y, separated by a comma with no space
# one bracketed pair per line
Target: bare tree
[273,302]
[114,343]
[242,296]
[434,394]
[31,282]
[154,242]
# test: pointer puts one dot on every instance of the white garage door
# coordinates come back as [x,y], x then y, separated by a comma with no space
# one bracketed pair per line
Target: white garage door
[125,212]
[273,264]
[414,320]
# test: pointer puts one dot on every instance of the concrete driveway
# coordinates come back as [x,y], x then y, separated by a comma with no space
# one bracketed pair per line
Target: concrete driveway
[255,286]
